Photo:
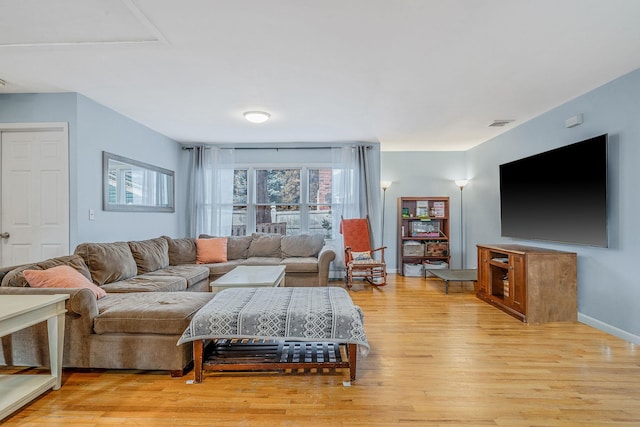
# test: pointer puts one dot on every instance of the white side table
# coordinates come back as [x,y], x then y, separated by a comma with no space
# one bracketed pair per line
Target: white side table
[19,312]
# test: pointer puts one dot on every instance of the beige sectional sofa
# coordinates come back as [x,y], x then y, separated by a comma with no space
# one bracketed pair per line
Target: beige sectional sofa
[153,289]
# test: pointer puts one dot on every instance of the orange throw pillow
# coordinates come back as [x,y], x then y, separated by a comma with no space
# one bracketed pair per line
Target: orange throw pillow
[61,276]
[211,250]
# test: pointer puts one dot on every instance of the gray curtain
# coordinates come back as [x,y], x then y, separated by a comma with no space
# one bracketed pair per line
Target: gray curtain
[197,184]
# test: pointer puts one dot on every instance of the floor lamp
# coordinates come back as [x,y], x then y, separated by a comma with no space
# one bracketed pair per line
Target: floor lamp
[385,185]
[461,183]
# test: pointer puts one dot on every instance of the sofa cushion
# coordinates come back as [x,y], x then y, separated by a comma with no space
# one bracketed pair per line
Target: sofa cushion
[257,260]
[192,273]
[181,251]
[238,247]
[147,283]
[167,313]
[303,245]
[221,268]
[265,245]
[74,261]
[211,250]
[300,264]
[108,262]
[150,255]
[61,276]
[15,277]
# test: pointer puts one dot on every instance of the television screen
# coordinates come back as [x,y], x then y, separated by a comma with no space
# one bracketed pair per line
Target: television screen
[559,195]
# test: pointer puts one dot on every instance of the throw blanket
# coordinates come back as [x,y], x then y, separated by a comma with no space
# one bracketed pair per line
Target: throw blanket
[295,314]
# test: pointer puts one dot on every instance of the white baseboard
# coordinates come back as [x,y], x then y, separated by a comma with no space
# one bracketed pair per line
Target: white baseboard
[605,327]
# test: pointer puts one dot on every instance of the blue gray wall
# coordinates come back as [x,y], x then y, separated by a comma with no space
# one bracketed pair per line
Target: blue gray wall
[609,288]
[608,283]
[92,129]
[417,174]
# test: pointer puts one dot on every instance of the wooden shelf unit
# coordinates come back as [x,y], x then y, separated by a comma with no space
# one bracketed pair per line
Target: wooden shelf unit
[534,285]
[430,214]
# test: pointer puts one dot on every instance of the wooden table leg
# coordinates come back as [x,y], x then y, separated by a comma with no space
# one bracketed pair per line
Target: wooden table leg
[198,360]
[353,357]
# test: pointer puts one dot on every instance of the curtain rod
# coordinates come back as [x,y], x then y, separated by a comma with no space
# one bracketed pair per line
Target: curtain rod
[325,147]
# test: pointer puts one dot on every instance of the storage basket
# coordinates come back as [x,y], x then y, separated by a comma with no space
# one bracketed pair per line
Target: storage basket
[413,270]
[437,249]
[413,248]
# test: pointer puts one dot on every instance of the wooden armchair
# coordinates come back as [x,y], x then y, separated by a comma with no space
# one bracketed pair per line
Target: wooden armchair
[361,260]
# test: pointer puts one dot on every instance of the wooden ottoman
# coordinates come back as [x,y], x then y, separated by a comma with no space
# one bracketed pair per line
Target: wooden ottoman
[254,329]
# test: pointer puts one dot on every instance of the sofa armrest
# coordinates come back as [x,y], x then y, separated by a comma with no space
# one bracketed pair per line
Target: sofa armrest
[26,347]
[326,255]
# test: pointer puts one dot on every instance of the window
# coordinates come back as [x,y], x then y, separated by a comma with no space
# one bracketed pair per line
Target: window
[300,197]
[240,202]
[320,208]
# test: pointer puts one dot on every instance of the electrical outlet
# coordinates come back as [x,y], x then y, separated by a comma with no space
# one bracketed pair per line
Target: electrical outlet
[92,215]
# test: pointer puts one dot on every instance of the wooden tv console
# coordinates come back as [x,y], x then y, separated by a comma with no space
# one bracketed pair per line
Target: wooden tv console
[532,284]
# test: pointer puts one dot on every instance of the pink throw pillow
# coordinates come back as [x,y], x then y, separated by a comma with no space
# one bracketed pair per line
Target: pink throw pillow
[61,276]
[211,250]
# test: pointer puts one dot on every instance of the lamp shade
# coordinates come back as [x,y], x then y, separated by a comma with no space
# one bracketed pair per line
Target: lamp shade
[461,182]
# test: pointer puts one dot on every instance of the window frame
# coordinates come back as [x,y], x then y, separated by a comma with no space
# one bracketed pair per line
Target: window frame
[304,203]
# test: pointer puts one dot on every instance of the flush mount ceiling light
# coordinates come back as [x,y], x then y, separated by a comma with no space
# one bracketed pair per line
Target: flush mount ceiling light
[257,116]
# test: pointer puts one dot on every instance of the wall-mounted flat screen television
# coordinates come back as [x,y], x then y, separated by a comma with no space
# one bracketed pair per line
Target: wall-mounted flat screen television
[559,195]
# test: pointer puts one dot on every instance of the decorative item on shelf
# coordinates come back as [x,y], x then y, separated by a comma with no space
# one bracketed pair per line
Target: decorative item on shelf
[405,212]
[425,229]
[438,210]
[422,209]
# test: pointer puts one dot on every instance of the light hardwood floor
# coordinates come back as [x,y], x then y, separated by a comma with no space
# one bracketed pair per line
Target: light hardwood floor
[435,360]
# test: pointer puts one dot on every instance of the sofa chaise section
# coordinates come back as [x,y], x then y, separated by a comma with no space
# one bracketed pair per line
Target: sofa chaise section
[120,331]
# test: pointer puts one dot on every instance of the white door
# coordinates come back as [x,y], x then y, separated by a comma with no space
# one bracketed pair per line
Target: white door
[35,195]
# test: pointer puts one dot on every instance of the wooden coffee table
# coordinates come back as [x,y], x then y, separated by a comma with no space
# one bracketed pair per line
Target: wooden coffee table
[250,276]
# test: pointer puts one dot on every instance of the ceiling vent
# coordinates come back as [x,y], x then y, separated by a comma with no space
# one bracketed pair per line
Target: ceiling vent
[499,123]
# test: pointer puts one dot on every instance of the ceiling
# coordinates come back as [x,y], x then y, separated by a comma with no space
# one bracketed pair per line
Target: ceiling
[413,75]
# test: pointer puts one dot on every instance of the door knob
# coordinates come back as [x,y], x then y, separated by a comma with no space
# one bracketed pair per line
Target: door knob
[5,235]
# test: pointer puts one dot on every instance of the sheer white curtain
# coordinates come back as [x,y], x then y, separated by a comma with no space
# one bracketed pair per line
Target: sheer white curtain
[355,181]
[210,199]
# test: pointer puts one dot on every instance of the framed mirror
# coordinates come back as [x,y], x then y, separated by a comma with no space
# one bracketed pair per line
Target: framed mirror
[132,186]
